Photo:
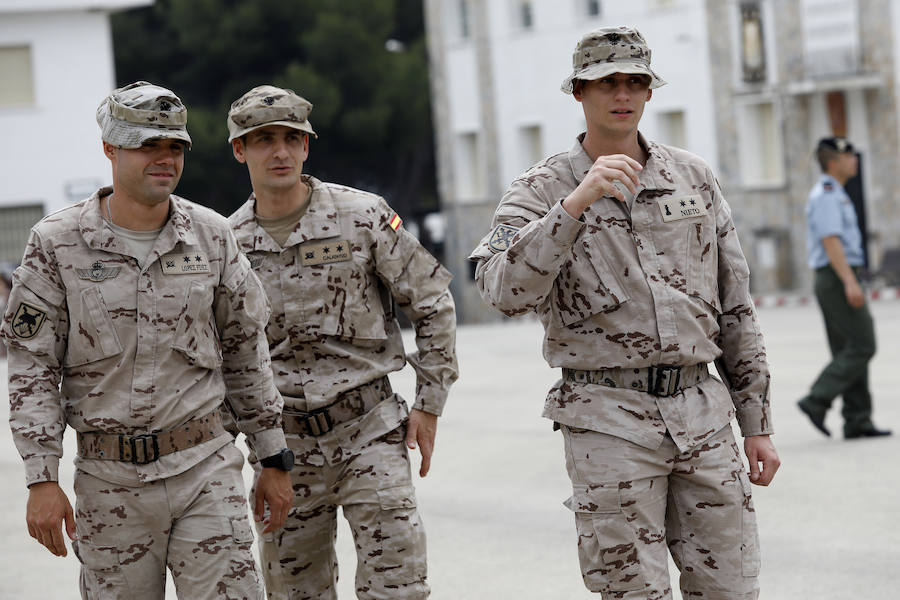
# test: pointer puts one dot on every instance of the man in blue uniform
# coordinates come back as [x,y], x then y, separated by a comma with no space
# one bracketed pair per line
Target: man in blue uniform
[834,244]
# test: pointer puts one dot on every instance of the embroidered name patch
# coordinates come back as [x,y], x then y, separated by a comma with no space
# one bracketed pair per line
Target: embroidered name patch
[97,272]
[324,253]
[502,237]
[28,320]
[683,207]
[191,263]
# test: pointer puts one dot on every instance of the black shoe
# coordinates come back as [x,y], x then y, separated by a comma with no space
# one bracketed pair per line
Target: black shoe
[867,433]
[817,420]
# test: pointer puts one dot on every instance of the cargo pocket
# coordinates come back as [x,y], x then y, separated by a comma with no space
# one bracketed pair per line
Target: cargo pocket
[749,532]
[101,576]
[607,544]
[401,537]
[195,337]
[702,264]
[92,335]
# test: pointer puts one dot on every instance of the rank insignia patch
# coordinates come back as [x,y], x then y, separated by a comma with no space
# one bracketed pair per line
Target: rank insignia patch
[395,222]
[97,272]
[325,252]
[502,237]
[683,207]
[190,263]
[28,320]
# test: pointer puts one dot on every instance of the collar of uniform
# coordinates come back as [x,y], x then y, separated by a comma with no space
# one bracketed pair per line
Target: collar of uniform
[179,226]
[647,179]
[320,220]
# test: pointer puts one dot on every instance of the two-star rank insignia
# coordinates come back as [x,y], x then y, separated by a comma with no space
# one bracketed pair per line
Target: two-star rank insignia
[28,320]
[97,272]
[190,263]
[323,253]
[683,207]
[502,237]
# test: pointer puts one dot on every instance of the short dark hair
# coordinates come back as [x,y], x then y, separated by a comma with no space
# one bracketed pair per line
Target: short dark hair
[829,148]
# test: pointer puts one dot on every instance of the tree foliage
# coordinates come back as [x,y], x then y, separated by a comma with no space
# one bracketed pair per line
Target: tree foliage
[371,105]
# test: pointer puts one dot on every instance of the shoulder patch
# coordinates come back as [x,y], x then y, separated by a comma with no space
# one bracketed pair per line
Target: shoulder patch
[828,186]
[502,237]
[395,221]
[28,320]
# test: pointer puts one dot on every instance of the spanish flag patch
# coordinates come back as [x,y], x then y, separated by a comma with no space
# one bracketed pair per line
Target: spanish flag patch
[395,221]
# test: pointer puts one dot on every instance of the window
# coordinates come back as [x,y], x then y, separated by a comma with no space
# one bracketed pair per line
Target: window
[15,73]
[760,147]
[464,27]
[753,50]
[671,128]
[592,8]
[15,225]
[531,145]
[526,15]
[470,176]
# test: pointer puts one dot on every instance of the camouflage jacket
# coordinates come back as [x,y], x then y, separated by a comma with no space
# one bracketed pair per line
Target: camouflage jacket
[659,280]
[103,345]
[333,287]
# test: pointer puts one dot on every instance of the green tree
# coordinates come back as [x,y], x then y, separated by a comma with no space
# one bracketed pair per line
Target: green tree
[371,98]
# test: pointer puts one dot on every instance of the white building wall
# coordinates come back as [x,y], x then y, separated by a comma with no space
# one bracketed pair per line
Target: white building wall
[52,155]
[529,66]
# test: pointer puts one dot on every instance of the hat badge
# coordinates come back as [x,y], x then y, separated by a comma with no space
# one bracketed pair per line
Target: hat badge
[269,100]
[165,106]
[613,37]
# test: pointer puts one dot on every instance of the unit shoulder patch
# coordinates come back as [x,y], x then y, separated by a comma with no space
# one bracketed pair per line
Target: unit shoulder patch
[28,320]
[323,253]
[502,237]
[681,207]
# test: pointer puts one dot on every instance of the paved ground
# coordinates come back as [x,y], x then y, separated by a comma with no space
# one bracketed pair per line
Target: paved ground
[830,524]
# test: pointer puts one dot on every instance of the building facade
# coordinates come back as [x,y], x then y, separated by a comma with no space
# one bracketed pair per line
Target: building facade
[752,84]
[56,65]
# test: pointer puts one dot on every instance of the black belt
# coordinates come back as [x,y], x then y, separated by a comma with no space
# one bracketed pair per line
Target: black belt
[661,381]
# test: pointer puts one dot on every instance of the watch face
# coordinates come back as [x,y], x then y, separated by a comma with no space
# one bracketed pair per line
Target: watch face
[287,459]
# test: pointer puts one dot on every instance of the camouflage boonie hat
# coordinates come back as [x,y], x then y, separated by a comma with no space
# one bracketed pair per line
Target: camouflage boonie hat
[141,111]
[611,50]
[268,105]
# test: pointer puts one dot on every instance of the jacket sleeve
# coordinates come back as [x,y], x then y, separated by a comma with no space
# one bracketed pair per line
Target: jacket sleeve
[742,364]
[242,311]
[521,257]
[419,285]
[35,329]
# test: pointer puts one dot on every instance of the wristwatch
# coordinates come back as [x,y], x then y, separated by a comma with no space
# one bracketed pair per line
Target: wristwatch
[284,460]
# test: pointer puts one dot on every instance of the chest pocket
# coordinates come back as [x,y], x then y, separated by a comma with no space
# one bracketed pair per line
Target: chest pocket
[587,285]
[342,300]
[195,334]
[92,336]
[703,264]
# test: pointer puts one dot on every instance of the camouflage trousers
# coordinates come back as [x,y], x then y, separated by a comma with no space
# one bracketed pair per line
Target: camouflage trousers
[631,504]
[373,486]
[194,523]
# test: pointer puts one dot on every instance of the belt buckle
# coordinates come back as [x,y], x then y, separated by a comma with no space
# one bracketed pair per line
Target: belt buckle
[663,381]
[147,443]
[319,422]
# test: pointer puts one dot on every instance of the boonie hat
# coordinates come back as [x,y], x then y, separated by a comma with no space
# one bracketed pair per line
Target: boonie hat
[837,144]
[268,105]
[611,50]
[141,111]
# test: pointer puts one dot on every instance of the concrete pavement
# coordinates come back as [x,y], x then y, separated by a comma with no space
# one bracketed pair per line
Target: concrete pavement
[492,505]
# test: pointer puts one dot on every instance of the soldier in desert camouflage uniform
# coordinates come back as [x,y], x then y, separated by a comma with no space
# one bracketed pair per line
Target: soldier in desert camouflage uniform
[626,251]
[335,263]
[132,314]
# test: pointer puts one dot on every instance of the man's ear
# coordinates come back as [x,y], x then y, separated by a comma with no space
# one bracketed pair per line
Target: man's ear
[576,89]
[237,148]
[109,150]
[649,95]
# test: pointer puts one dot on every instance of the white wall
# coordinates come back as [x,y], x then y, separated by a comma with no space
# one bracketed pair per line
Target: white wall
[529,67]
[56,142]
